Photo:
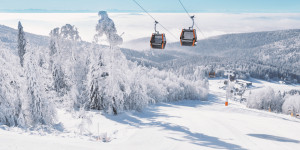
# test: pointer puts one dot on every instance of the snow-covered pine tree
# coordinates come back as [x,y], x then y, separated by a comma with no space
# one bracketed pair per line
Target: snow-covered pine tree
[107,26]
[40,109]
[74,63]
[11,100]
[107,84]
[55,63]
[68,58]
[96,73]
[138,98]
[21,43]
[53,47]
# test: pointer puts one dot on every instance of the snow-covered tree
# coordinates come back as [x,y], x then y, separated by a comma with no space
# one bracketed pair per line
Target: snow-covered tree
[266,99]
[116,84]
[68,58]
[69,32]
[40,109]
[107,83]
[21,43]
[107,26]
[291,104]
[96,73]
[11,97]
[55,62]
[54,35]
[138,98]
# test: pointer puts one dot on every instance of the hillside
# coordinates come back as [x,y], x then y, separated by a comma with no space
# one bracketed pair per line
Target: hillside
[245,53]
[273,53]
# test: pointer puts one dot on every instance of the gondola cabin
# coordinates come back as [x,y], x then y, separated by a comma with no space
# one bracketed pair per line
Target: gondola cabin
[211,74]
[158,41]
[188,37]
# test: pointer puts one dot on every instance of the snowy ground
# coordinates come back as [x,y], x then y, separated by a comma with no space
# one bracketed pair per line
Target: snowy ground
[181,125]
[277,86]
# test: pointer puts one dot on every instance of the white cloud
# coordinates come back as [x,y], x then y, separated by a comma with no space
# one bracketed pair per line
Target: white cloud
[138,26]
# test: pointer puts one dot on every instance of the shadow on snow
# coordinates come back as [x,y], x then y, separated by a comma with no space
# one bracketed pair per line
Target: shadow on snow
[274,138]
[151,113]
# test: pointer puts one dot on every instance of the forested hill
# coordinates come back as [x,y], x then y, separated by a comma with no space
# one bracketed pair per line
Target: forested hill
[244,41]
[265,55]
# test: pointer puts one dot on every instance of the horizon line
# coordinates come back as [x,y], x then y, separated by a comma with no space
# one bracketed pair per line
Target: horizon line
[133,11]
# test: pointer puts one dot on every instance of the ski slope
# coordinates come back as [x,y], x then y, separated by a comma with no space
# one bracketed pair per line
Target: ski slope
[181,125]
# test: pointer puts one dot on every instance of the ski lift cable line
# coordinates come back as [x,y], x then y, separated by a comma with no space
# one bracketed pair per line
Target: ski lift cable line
[200,30]
[184,8]
[191,17]
[154,18]
[145,10]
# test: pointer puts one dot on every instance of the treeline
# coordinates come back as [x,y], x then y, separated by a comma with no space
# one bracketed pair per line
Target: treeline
[268,99]
[244,68]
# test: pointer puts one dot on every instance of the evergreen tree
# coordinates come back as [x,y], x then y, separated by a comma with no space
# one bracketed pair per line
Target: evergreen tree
[11,101]
[41,110]
[21,43]
[107,26]
[68,65]
[55,63]
[96,99]
[107,85]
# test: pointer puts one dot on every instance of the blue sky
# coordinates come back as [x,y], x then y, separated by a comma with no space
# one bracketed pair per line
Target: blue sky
[230,6]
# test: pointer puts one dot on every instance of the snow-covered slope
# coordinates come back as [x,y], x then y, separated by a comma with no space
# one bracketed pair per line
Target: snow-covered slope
[180,125]
[273,53]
